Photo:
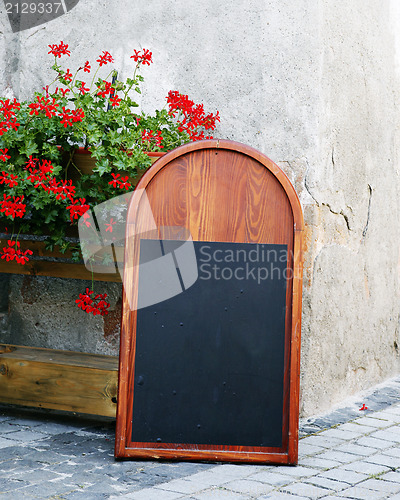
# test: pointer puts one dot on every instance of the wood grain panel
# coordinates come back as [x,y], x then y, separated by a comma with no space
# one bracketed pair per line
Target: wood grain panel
[58,380]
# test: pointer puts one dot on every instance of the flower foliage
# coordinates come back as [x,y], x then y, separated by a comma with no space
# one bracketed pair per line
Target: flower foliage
[42,191]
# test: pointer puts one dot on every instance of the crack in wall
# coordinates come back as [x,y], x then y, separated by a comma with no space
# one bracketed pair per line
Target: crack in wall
[307,186]
[369,211]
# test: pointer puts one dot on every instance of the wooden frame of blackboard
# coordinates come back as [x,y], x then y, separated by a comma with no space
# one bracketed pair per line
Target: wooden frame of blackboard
[193,187]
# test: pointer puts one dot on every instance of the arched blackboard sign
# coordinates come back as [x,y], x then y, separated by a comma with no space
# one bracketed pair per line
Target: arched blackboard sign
[210,334]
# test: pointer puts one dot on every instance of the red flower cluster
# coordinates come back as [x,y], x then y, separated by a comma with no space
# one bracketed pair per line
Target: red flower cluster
[82,89]
[13,251]
[63,189]
[105,88]
[78,208]
[193,115]
[67,76]
[59,50]
[14,207]
[105,58]
[150,137]
[71,116]
[115,100]
[8,120]
[94,305]
[9,180]
[4,156]
[38,176]
[144,58]
[121,183]
[49,107]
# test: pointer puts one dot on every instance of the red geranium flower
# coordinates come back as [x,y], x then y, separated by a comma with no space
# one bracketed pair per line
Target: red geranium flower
[82,89]
[78,208]
[67,76]
[105,58]
[115,100]
[144,58]
[59,50]
[14,208]
[13,252]
[89,304]
[4,156]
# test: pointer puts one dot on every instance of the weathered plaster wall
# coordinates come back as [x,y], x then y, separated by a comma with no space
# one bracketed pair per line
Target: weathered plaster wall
[314,84]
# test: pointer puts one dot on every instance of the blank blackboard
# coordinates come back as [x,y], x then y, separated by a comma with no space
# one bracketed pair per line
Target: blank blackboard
[210,361]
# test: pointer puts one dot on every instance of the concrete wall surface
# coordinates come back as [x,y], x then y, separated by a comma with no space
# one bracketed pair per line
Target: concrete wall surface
[313,84]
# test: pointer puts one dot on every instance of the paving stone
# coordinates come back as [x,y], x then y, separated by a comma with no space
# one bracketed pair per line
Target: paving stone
[150,494]
[327,483]
[218,494]
[372,442]
[10,484]
[373,422]
[5,443]
[322,441]
[6,427]
[35,476]
[366,467]
[320,463]
[339,433]
[360,493]
[381,485]
[309,449]
[24,436]
[381,459]
[26,422]
[247,486]
[339,456]
[43,490]
[179,486]
[52,428]
[305,490]
[231,471]
[392,476]
[357,428]
[272,478]
[206,478]
[84,495]
[297,471]
[332,497]
[282,496]
[355,449]
[387,435]
[346,476]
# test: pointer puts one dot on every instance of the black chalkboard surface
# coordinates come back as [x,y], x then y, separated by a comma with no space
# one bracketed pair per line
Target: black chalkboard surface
[209,366]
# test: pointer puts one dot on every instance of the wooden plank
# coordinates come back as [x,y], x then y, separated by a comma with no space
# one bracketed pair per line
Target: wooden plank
[59,380]
[57,269]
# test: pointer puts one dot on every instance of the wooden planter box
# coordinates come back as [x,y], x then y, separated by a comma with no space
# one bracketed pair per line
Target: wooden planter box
[58,380]
[43,263]
[55,379]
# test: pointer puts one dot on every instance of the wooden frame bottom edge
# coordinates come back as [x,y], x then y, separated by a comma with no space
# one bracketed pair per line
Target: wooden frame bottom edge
[205,455]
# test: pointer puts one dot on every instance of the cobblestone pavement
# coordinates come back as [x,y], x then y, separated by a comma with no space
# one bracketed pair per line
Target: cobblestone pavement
[346,453]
